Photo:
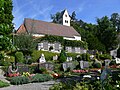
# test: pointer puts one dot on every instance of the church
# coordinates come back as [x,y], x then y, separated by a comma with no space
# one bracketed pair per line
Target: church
[40,28]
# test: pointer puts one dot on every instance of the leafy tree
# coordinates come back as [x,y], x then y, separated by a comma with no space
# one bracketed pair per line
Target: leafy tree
[107,33]
[62,57]
[73,17]
[25,43]
[6,17]
[55,17]
[6,25]
[115,18]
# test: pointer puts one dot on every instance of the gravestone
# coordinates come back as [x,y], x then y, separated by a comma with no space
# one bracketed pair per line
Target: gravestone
[55,57]
[81,64]
[47,65]
[67,65]
[19,68]
[22,67]
[42,59]
[69,59]
[107,62]
[117,60]
[84,64]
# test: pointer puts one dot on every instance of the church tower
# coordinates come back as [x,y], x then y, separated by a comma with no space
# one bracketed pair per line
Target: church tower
[64,18]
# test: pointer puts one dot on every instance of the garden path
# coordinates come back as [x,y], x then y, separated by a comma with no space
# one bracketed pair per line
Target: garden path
[30,86]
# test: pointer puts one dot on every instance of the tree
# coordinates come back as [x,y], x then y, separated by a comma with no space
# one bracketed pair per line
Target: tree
[6,25]
[107,33]
[115,18]
[6,17]
[62,57]
[55,17]
[73,17]
[25,43]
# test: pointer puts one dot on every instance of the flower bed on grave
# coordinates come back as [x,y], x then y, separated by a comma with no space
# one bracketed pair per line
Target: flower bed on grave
[80,71]
[30,78]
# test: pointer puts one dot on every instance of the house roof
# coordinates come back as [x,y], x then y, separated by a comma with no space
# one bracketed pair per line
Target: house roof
[46,28]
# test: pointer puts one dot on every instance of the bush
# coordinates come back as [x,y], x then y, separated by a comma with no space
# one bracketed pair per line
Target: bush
[112,63]
[97,65]
[19,57]
[62,57]
[105,56]
[19,80]
[4,84]
[41,78]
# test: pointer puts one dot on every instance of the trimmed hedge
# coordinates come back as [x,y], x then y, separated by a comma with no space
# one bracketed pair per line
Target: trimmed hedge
[41,78]
[19,80]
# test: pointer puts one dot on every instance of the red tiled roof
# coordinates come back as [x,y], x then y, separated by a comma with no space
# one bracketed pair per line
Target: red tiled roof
[46,28]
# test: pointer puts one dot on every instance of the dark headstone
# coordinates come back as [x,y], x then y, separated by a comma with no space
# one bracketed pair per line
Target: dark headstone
[22,67]
[47,65]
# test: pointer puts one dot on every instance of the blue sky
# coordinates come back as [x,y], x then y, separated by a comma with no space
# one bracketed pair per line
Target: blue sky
[86,10]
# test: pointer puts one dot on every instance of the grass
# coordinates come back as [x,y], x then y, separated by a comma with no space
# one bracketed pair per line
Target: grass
[4,84]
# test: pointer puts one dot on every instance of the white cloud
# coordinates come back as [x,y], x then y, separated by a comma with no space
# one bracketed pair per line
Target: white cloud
[31,9]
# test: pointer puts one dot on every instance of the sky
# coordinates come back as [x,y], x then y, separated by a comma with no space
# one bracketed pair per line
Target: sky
[86,10]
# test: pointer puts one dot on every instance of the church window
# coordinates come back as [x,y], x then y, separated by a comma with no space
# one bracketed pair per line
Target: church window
[66,21]
[65,15]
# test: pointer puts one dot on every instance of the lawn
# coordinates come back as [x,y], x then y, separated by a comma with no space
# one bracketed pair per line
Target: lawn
[4,84]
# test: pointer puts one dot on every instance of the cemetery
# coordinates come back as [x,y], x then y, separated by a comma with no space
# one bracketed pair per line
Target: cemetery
[66,53]
[65,67]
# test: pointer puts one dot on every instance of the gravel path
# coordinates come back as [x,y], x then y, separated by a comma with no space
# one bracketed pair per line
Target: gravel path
[31,86]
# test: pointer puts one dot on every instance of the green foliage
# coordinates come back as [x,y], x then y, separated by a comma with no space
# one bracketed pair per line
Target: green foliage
[19,80]
[25,43]
[4,84]
[55,17]
[5,43]
[107,33]
[73,55]
[105,56]
[62,57]
[6,17]
[85,57]
[48,55]
[97,65]
[51,39]
[41,78]
[42,70]
[76,43]
[19,57]
[112,63]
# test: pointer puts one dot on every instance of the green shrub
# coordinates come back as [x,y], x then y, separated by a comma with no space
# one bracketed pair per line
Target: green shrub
[105,56]
[42,69]
[19,57]
[62,57]
[4,84]
[112,63]
[33,68]
[19,80]
[85,57]
[41,78]
[97,65]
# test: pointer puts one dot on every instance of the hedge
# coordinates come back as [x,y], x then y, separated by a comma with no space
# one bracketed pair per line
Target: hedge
[19,80]
[41,78]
